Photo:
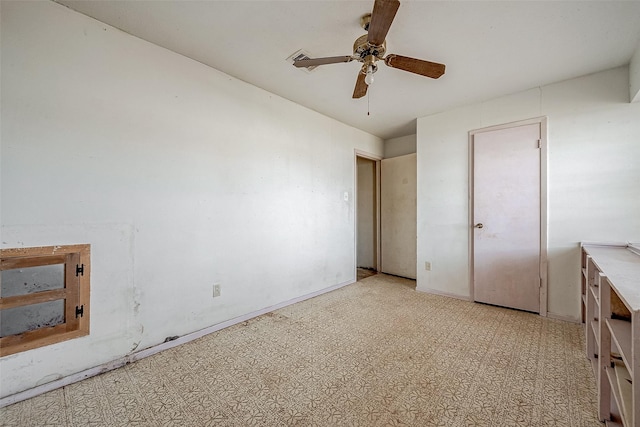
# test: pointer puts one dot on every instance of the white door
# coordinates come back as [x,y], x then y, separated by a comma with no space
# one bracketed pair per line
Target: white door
[506,217]
[398,215]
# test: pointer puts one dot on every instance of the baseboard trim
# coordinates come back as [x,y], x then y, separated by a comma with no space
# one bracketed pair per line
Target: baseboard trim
[444,294]
[129,358]
[62,382]
[569,319]
[219,326]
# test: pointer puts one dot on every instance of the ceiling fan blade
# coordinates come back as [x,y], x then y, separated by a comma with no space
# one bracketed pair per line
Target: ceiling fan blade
[381,18]
[417,66]
[361,87]
[313,62]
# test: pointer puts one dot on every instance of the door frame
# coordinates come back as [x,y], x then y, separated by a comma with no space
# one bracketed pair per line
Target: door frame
[376,159]
[542,121]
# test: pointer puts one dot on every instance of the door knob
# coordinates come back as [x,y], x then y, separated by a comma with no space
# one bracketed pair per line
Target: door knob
[479,225]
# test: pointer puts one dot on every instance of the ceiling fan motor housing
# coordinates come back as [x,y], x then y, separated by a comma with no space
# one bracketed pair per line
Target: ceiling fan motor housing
[365,52]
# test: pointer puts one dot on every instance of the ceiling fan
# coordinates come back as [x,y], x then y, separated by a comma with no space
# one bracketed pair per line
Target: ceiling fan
[371,47]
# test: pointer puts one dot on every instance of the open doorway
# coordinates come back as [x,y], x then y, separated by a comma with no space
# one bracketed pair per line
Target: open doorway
[367,215]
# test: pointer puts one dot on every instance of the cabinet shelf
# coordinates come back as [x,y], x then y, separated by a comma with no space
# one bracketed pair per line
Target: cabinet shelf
[596,297]
[613,273]
[621,389]
[621,335]
[615,419]
[595,327]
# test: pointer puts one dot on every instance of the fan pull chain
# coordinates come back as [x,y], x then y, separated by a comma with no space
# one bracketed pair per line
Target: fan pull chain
[368,109]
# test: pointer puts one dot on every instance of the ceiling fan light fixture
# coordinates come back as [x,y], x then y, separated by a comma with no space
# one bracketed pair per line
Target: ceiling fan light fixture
[370,48]
[368,79]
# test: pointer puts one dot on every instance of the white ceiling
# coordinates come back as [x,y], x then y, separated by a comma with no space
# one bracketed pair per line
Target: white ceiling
[490,48]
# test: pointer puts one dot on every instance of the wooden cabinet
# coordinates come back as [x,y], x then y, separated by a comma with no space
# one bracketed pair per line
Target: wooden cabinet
[610,312]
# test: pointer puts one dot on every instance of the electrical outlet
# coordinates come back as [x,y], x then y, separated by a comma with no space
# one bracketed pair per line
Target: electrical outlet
[216,290]
[427,265]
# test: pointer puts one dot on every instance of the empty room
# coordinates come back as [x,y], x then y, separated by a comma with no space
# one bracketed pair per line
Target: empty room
[319,213]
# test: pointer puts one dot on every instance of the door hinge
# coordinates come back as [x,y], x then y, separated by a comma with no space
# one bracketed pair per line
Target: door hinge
[539,143]
[79,311]
[79,270]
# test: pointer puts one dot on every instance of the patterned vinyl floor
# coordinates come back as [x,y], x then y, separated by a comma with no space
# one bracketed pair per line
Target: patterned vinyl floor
[363,273]
[375,353]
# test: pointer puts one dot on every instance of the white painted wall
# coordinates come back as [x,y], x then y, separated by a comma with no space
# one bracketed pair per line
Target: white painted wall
[400,146]
[366,213]
[178,175]
[398,213]
[594,179]
[634,75]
